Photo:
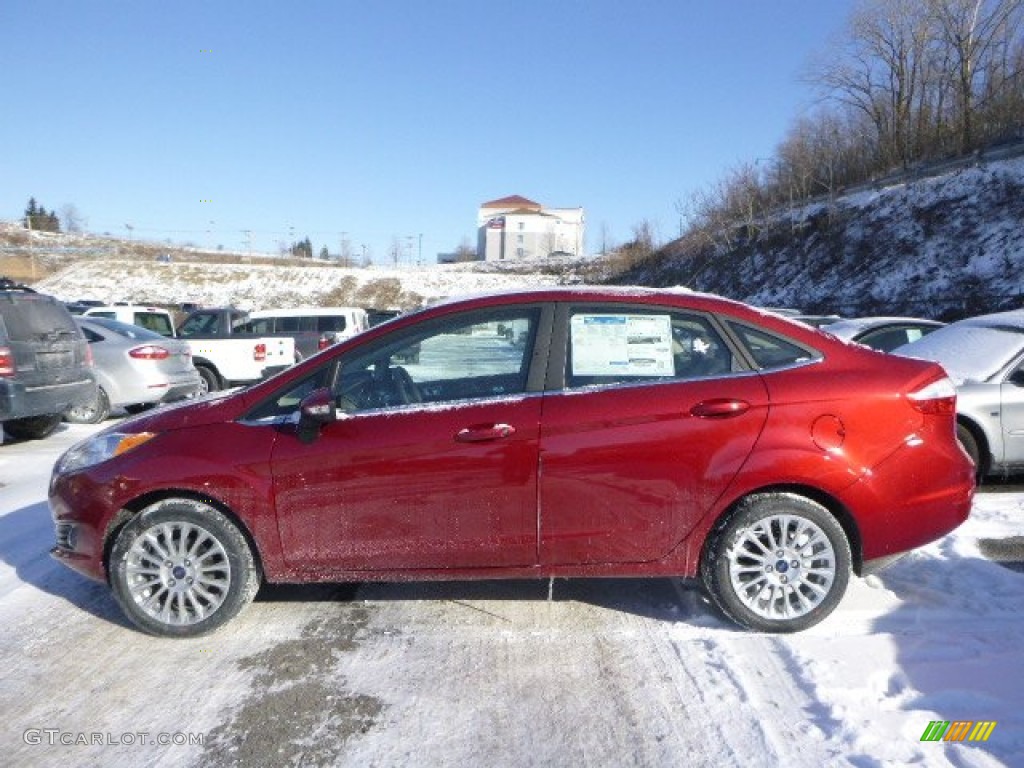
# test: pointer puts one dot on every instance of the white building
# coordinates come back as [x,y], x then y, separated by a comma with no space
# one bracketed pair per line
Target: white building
[514,228]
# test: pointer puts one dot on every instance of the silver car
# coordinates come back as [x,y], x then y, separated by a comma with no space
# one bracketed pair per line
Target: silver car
[135,369]
[985,358]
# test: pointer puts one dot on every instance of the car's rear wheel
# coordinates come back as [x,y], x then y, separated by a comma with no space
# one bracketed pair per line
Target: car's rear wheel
[91,413]
[972,447]
[209,381]
[33,427]
[779,562]
[181,568]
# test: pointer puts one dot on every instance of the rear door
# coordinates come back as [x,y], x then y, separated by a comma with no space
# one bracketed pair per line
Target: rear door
[654,416]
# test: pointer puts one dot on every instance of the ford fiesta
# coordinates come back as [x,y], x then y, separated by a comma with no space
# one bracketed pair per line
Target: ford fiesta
[555,433]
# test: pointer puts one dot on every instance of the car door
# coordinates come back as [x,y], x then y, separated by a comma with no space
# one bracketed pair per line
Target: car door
[654,417]
[432,464]
[1011,395]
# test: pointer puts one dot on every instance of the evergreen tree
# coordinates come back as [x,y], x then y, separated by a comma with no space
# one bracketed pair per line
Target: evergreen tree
[40,219]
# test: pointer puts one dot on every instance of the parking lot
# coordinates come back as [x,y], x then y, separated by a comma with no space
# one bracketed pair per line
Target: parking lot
[588,672]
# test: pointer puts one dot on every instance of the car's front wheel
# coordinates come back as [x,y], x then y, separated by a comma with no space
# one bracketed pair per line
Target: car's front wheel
[181,568]
[779,562]
[33,427]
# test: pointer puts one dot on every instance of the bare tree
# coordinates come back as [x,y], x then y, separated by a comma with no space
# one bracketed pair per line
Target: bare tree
[73,221]
[978,36]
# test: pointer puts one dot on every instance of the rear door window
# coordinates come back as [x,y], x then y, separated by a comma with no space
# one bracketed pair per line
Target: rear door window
[621,346]
[330,323]
[154,321]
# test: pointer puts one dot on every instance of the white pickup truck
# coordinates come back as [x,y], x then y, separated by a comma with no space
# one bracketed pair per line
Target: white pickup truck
[226,358]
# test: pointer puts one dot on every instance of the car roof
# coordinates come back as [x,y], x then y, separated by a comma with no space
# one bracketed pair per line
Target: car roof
[126,330]
[676,295]
[303,311]
[125,307]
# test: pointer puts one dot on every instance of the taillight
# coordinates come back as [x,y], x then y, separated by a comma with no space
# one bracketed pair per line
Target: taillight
[149,352]
[89,361]
[6,361]
[937,397]
[259,353]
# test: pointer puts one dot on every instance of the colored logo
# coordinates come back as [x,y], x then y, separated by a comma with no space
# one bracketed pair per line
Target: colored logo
[958,730]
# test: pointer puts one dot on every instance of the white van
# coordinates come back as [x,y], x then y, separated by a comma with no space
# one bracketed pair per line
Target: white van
[314,328]
[151,318]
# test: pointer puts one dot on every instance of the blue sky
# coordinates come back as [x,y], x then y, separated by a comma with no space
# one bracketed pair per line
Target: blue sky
[388,120]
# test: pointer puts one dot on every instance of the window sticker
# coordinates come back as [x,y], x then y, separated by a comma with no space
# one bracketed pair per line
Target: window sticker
[622,345]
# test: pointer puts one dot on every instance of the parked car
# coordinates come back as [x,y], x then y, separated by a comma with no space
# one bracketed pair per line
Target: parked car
[816,321]
[882,333]
[227,354]
[151,318]
[313,328]
[985,358]
[81,305]
[45,364]
[377,316]
[135,369]
[680,434]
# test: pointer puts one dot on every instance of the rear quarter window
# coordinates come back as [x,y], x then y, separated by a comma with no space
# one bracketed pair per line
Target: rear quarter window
[769,350]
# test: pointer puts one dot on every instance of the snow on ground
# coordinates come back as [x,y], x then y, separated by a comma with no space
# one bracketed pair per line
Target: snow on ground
[616,672]
[260,286]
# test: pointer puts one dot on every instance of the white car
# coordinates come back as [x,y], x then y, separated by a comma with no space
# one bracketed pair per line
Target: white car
[151,318]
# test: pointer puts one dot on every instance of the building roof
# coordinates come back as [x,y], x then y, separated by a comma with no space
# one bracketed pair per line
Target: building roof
[513,201]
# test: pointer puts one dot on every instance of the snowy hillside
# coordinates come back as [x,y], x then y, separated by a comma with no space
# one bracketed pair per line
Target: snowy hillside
[947,246]
[259,286]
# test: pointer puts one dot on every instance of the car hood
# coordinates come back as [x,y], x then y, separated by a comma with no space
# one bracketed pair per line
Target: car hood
[211,409]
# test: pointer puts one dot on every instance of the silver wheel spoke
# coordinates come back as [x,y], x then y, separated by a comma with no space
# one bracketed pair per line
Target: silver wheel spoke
[782,566]
[178,573]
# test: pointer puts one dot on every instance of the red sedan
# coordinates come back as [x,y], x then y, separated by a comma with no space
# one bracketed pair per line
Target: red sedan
[554,433]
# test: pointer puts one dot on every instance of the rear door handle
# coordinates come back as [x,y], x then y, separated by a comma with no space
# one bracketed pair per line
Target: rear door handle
[485,432]
[720,408]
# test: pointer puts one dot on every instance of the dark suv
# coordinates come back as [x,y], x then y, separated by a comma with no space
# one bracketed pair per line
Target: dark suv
[45,362]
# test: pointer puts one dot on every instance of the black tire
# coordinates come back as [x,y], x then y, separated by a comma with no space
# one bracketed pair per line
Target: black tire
[181,568]
[762,571]
[973,449]
[33,427]
[90,413]
[209,380]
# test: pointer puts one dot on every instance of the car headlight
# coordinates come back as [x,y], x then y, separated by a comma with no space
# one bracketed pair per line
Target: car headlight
[99,448]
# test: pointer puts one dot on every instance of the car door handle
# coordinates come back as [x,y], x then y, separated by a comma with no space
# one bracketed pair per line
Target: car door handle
[482,433]
[720,408]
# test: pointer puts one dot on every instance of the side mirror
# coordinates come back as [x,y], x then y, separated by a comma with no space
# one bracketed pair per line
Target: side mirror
[1017,377]
[315,410]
